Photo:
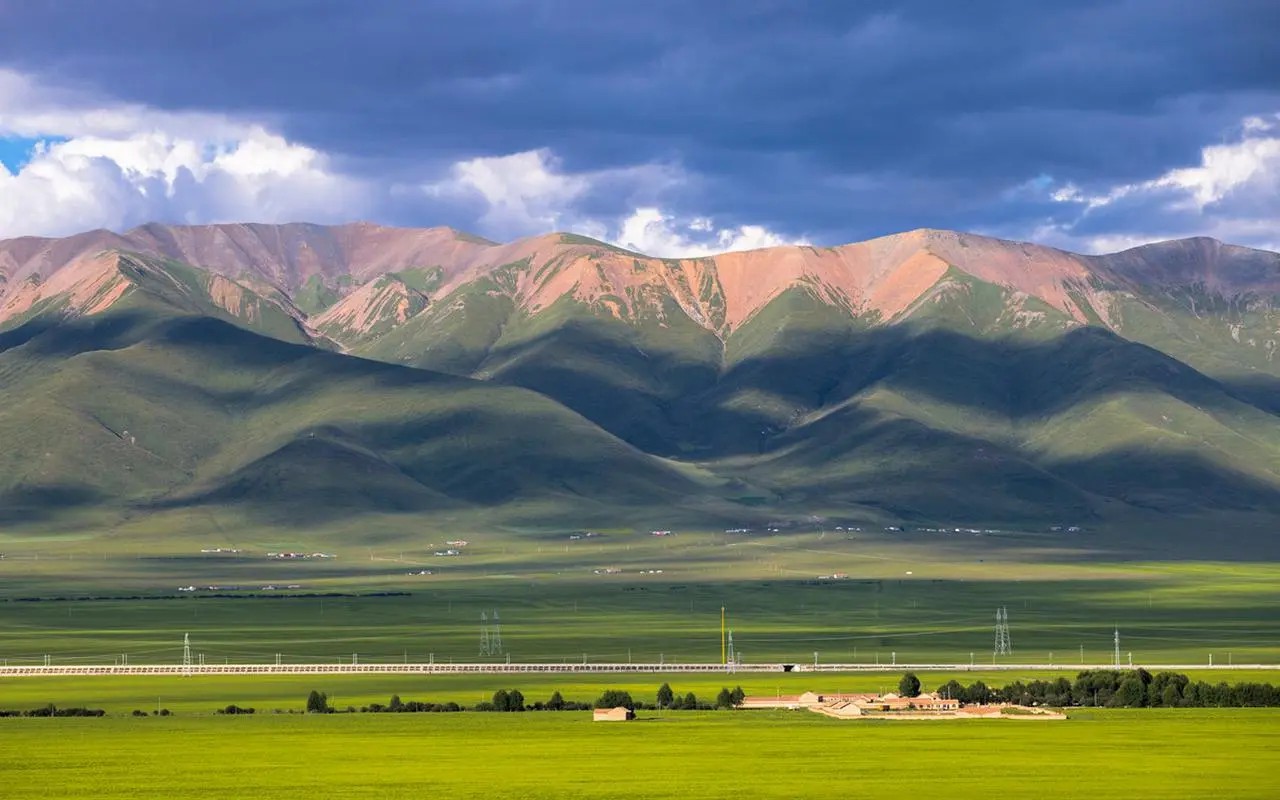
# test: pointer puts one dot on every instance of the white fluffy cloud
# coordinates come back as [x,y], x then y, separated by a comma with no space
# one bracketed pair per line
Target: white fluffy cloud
[1233,194]
[101,164]
[648,230]
[115,166]
[528,193]
[522,193]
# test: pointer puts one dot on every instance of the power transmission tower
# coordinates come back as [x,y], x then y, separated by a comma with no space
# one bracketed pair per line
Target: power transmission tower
[1117,642]
[485,646]
[1004,647]
[186,654]
[733,657]
[495,636]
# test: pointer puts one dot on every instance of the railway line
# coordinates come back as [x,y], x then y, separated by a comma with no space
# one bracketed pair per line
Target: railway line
[433,668]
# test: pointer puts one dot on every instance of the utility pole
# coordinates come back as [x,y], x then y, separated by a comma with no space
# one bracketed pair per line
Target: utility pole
[723,645]
[186,654]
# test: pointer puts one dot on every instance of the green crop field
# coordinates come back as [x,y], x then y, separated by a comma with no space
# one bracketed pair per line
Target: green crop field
[1095,754]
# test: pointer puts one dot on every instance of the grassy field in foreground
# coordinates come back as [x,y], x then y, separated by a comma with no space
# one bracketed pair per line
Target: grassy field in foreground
[1099,754]
[204,694]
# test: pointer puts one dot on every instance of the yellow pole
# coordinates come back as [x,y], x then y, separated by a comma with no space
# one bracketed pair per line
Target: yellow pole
[723,658]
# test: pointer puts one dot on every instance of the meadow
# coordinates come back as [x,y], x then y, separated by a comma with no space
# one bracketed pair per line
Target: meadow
[900,598]
[1095,754]
[914,596]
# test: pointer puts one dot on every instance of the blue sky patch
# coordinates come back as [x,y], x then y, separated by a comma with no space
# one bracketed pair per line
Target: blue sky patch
[15,152]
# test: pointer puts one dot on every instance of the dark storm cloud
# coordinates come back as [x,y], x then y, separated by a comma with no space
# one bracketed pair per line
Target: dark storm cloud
[839,120]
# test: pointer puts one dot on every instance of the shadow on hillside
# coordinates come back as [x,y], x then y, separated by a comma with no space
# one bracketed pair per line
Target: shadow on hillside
[1260,391]
[671,411]
[805,449]
[220,346]
[314,480]
[1011,378]
[52,337]
[636,393]
[1170,485]
[25,504]
[464,458]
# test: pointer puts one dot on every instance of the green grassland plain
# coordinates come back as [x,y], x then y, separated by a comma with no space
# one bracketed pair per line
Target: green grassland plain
[914,597]
[1096,754]
[908,597]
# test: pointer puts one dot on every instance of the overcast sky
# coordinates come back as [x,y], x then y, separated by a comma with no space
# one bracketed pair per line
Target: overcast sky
[672,127]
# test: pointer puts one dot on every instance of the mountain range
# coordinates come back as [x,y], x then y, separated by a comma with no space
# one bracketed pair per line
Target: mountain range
[303,373]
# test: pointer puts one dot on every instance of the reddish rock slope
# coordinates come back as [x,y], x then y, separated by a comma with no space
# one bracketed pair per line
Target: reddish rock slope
[883,276]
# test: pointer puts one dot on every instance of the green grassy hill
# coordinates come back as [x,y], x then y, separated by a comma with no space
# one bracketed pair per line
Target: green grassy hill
[973,403]
[977,405]
[144,408]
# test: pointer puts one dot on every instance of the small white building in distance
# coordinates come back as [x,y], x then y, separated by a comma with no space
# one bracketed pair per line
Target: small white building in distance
[619,714]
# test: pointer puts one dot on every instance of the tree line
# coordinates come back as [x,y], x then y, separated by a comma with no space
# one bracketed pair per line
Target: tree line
[1107,688]
[668,699]
[507,700]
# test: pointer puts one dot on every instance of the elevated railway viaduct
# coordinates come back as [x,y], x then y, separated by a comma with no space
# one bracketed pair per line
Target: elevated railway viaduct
[433,668]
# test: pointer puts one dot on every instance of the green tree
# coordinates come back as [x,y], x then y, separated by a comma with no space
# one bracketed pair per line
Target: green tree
[317,703]
[501,700]
[1164,685]
[665,696]
[1095,687]
[909,686]
[396,704]
[515,700]
[1131,694]
[724,699]
[612,698]
[556,703]
[690,702]
[978,692]
[737,695]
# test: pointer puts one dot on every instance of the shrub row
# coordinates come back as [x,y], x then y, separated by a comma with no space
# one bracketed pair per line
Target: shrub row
[233,710]
[51,710]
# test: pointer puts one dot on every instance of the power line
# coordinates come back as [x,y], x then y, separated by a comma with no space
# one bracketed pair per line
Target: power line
[1004,646]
